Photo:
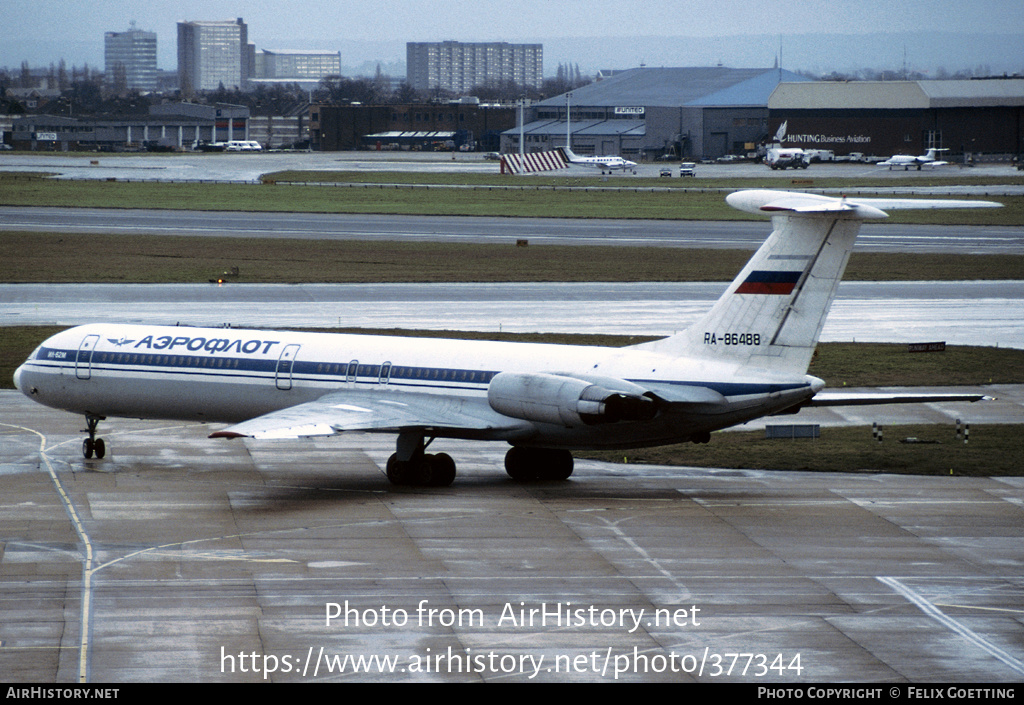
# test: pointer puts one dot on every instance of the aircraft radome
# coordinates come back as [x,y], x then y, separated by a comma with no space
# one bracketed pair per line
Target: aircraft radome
[746,358]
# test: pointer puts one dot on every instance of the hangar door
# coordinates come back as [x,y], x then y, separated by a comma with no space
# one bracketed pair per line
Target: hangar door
[717,146]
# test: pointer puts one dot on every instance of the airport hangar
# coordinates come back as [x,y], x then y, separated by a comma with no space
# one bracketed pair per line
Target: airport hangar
[644,113]
[882,118]
[705,113]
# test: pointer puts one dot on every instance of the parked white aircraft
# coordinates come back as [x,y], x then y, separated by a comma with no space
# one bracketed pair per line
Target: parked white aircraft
[746,358]
[906,160]
[608,164]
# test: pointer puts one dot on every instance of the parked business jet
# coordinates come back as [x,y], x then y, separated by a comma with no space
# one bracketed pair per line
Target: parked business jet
[746,358]
[907,161]
[608,164]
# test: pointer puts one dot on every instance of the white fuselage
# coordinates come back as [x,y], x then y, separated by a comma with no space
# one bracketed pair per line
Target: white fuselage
[605,162]
[227,375]
[907,160]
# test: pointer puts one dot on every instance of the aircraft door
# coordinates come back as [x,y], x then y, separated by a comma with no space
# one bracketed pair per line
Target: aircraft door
[83,361]
[285,364]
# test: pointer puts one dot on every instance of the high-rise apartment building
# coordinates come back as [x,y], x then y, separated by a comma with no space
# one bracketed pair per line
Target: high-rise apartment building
[214,54]
[459,66]
[130,59]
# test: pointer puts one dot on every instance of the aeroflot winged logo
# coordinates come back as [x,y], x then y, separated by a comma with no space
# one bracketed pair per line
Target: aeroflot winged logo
[210,345]
[777,283]
[120,342]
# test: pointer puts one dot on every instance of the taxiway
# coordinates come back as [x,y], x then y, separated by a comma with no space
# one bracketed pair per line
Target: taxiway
[181,558]
[249,167]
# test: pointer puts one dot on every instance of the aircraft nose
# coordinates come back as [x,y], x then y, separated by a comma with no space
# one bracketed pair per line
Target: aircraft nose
[17,379]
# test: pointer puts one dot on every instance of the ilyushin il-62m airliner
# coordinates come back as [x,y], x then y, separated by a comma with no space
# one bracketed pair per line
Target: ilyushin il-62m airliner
[746,358]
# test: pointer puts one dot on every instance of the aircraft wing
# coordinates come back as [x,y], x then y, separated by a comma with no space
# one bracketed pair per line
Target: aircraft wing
[360,410]
[855,399]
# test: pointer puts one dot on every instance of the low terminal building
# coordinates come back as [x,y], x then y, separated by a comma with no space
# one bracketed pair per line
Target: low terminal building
[882,118]
[168,126]
[410,126]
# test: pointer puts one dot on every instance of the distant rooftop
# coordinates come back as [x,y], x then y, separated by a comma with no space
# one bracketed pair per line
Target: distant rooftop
[301,52]
[673,87]
[898,95]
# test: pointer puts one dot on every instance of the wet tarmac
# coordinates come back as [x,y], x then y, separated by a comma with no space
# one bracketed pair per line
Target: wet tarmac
[181,558]
[960,313]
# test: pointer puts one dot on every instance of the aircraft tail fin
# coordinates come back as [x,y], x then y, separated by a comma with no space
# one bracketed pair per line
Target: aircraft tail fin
[772,314]
[567,154]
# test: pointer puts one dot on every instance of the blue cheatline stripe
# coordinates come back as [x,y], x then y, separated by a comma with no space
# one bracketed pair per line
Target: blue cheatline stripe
[729,389]
[400,375]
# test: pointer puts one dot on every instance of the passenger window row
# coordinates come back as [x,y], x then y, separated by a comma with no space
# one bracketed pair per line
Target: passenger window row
[351,371]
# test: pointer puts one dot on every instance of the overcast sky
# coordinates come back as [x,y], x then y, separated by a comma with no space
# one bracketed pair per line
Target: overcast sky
[74,29]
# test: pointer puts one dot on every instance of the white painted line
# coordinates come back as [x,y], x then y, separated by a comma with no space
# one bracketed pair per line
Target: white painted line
[935,613]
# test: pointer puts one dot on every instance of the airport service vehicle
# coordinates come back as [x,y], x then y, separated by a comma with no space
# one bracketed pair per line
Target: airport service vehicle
[746,358]
[786,157]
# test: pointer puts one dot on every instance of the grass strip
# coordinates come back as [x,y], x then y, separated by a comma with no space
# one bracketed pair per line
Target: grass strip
[992,450]
[632,198]
[83,257]
[804,180]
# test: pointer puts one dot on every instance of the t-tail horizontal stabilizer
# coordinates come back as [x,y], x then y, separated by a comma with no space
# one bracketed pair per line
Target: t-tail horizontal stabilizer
[772,314]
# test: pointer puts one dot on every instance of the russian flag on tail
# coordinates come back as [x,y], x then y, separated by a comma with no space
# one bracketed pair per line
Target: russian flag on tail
[777,283]
[531,163]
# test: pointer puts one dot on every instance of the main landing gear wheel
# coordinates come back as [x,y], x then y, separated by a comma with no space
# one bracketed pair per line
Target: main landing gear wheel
[93,446]
[429,471]
[531,464]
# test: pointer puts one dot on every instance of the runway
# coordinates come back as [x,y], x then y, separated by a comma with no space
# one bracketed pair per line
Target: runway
[746,235]
[202,560]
